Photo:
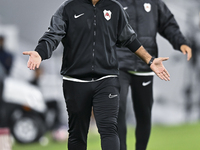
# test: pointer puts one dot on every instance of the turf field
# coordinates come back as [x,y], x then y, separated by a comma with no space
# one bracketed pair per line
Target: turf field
[181,137]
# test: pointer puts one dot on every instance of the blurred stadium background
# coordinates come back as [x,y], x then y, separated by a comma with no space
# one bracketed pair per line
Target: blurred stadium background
[177,102]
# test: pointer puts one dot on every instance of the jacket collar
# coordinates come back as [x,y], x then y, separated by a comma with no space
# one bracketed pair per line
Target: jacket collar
[90,1]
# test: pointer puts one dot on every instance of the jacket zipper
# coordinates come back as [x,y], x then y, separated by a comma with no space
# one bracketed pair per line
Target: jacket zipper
[136,16]
[94,38]
[136,24]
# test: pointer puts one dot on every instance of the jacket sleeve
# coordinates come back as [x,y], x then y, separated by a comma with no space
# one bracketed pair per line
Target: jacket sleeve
[168,27]
[56,31]
[126,35]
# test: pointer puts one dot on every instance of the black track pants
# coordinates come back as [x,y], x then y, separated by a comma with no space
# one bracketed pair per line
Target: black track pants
[142,97]
[103,96]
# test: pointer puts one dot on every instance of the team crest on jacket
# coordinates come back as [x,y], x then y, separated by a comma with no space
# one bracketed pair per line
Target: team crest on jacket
[147,7]
[107,14]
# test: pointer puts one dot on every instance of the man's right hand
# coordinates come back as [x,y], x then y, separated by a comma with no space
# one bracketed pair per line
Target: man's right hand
[34,59]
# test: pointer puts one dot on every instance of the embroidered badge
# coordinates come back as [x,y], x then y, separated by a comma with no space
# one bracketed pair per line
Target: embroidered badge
[107,14]
[147,7]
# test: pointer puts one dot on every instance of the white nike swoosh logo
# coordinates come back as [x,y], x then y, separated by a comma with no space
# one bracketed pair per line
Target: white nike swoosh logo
[125,8]
[146,83]
[76,16]
[112,96]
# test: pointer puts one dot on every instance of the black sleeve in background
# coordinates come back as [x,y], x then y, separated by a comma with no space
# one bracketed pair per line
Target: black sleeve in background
[134,45]
[126,34]
[168,26]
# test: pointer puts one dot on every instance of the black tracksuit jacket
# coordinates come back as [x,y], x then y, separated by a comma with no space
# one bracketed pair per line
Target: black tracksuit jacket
[89,35]
[146,25]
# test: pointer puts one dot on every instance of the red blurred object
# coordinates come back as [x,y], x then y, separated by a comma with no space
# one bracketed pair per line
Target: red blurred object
[60,134]
[5,139]
[4,131]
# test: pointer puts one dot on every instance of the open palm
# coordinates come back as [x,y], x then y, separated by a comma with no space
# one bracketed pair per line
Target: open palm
[159,69]
[34,59]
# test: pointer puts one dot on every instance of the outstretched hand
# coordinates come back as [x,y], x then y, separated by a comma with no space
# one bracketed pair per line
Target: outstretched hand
[159,69]
[34,59]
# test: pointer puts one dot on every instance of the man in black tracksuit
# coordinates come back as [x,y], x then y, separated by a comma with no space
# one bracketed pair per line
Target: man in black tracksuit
[147,17]
[90,30]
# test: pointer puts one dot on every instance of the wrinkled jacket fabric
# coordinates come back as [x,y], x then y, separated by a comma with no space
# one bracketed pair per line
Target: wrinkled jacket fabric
[89,35]
[149,17]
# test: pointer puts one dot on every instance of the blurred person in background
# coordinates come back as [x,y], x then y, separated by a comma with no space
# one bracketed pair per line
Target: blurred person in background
[55,126]
[36,77]
[193,73]
[90,30]
[147,18]
[6,60]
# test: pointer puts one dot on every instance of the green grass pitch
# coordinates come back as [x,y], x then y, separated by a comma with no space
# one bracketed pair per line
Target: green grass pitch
[180,137]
